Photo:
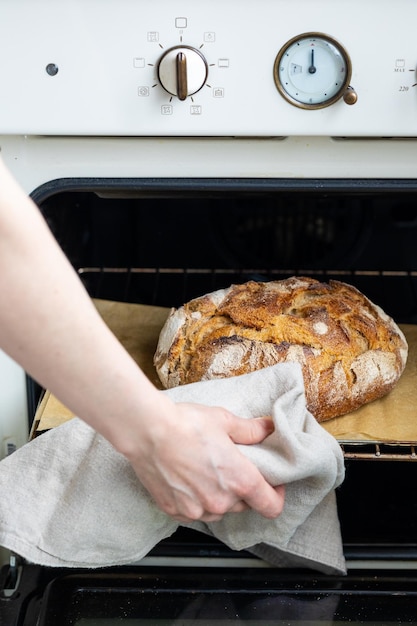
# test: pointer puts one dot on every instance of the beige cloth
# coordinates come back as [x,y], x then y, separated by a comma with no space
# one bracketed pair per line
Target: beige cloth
[69,499]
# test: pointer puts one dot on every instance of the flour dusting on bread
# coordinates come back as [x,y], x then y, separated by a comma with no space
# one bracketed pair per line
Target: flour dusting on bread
[350,351]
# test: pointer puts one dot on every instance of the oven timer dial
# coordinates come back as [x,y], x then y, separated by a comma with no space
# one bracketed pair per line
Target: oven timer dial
[182,71]
[313,71]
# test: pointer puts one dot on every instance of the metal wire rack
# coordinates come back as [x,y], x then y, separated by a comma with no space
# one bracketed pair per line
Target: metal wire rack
[394,290]
[374,451]
[172,286]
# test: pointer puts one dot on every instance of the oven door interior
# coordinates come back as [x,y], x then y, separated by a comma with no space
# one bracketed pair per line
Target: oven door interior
[185,596]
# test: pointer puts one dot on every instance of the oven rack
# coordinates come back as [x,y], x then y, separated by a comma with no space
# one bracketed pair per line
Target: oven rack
[172,286]
[269,271]
[233,271]
[377,451]
[394,290]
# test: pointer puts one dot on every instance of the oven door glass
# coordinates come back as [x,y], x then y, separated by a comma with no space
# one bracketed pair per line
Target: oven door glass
[209,597]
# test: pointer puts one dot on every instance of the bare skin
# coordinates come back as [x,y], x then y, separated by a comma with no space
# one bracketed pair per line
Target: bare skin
[184,454]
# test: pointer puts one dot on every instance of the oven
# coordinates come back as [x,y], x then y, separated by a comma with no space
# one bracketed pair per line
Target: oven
[176,148]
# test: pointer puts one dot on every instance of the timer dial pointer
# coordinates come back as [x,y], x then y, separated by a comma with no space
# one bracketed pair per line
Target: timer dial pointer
[312,69]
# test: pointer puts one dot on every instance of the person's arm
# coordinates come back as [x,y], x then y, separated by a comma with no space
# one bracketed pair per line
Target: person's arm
[183,453]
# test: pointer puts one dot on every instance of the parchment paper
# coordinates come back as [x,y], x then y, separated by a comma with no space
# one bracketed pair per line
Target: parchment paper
[392,419]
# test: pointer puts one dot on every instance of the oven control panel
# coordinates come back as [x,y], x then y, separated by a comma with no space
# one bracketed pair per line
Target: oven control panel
[214,68]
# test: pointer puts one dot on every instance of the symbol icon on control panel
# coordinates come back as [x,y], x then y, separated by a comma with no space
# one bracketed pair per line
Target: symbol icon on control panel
[209,37]
[180,22]
[166,109]
[153,35]
[143,92]
[223,62]
[138,62]
[218,92]
[195,109]
[399,65]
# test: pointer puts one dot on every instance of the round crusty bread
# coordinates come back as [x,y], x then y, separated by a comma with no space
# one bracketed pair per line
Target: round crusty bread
[350,351]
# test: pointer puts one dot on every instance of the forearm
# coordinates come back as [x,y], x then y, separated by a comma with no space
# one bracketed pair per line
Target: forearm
[184,454]
[49,325]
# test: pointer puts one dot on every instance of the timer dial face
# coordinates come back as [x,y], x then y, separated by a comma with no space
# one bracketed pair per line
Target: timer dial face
[312,71]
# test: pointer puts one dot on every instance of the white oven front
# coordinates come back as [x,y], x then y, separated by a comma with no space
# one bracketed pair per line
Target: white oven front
[99,94]
[194,68]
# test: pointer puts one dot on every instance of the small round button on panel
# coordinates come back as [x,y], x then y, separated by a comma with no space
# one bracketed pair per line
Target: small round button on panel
[312,71]
[182,71]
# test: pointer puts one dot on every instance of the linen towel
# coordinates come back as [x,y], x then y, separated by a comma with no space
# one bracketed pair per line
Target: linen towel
[67,498]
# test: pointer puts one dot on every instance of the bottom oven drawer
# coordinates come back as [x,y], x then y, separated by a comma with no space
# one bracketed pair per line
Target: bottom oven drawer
[186,596]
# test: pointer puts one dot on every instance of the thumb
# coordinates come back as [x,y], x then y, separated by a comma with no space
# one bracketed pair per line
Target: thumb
[249,431]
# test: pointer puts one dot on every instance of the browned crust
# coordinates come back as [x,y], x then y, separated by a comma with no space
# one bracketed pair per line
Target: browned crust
[350,351]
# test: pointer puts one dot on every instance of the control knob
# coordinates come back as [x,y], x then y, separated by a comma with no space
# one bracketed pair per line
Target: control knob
[182,71]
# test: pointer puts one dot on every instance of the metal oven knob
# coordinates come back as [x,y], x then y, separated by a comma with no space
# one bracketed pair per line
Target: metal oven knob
[182,71]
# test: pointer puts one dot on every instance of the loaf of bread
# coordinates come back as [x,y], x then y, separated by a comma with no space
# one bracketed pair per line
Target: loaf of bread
[350,351]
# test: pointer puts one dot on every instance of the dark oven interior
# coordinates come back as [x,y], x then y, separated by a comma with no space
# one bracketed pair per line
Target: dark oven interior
[162,242]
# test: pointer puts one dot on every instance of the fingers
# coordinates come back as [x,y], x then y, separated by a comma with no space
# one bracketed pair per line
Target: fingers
[208,475]
[270,510]
[239,507]
[268,501]
[249,431]
[196,513]
[259,496]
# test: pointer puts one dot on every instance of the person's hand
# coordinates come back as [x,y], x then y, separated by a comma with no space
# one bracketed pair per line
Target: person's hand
[193,469]
[184,454]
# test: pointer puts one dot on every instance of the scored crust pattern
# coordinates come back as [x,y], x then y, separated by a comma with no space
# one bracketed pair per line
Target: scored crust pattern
[349,350]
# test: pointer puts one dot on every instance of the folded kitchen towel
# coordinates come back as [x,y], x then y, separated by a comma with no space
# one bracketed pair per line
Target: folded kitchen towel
[67,498]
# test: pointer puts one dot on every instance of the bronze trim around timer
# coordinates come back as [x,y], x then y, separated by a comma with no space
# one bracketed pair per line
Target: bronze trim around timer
[324,102]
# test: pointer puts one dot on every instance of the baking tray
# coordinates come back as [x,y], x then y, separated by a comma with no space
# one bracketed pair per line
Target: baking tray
[383,429]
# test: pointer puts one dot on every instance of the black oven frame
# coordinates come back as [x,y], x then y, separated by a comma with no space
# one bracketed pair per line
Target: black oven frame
[175,194]
[101,278]
[391,562]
